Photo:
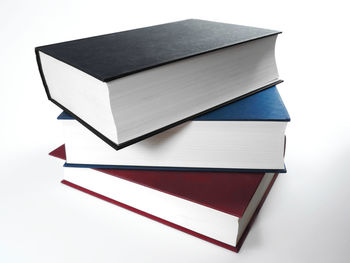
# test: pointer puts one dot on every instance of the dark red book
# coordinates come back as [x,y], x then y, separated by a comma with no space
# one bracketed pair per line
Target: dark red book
[219,207]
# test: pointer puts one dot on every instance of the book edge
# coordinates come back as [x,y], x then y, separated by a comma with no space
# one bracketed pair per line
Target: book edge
[286,118]
[55,153]
[147,135]
[175,168]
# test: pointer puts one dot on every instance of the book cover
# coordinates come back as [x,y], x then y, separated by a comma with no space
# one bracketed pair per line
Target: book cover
[229,193]
[144,48]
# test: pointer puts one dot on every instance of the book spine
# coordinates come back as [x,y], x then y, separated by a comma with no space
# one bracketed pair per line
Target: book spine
[42,73]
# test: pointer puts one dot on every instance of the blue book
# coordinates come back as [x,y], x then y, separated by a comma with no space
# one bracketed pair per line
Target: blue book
[245,136]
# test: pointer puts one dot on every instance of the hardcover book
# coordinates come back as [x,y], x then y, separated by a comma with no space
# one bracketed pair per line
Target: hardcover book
[216,207]
[247,135]
[130,85]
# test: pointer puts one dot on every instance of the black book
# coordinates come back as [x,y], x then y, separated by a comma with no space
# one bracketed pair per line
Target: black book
[130,85]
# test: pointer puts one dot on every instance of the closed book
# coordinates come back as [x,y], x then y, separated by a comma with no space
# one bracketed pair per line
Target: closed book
[247,135]
[216,207]
[130,85]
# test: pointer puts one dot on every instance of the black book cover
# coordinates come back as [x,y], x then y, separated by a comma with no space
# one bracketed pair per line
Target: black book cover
[116,55]
[111,56]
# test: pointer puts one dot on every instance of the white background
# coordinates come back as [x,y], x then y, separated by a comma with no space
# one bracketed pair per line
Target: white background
[306,216]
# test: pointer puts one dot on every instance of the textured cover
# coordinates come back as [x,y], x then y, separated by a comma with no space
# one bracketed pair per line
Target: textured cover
[190,189]
[266,105]
[116,55]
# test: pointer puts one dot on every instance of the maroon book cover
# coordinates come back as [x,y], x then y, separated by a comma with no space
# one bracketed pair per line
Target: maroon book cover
[224,191]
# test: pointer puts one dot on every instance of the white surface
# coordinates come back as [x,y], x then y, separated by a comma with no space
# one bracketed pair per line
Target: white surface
[213,144]
[306,216]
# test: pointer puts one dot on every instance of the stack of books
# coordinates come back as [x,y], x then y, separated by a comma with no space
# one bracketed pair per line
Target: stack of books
[180,122]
